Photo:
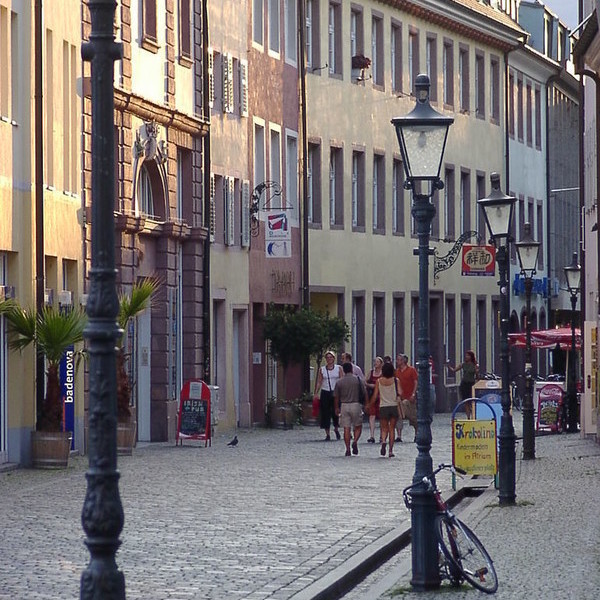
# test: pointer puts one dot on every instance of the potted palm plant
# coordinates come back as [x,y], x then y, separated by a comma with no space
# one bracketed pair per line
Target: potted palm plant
[130,305]
[52,331]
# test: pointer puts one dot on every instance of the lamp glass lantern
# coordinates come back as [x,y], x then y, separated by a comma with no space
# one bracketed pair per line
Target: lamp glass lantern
[573,275]
[498,211]
[422,136]
[528,251]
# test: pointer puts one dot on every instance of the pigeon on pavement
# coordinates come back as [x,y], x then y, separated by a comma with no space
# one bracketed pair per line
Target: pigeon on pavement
[233,442]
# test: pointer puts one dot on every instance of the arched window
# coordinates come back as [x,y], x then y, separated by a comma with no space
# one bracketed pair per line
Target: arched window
[145,200]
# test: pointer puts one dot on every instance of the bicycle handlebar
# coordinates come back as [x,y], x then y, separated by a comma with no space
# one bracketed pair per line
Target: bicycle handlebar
[427,481]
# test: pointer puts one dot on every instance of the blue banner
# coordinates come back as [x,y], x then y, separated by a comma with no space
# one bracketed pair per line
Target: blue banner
[67,384]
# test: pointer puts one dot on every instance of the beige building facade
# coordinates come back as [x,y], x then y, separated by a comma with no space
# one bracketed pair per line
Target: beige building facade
[361,235]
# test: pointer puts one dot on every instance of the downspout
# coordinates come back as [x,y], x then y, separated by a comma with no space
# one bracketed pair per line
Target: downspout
[206,328]
[304,174]
[39,187]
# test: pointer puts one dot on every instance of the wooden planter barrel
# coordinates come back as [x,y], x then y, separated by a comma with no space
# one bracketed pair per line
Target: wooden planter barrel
[126,438]
[50,449]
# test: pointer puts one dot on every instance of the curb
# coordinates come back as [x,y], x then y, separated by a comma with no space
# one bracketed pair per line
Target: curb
[342,579]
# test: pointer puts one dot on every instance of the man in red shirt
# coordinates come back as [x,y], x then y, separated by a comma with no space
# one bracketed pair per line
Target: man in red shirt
[408,377]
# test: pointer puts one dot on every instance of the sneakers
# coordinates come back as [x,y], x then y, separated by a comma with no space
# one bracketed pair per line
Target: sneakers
[354,448]
[382,451]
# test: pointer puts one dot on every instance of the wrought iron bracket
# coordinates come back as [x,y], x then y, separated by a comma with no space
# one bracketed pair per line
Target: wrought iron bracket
[443,263]
[271,190]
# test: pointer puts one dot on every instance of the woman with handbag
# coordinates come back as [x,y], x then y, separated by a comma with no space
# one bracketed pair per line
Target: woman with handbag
[389,394]
[372,408]
[326,379]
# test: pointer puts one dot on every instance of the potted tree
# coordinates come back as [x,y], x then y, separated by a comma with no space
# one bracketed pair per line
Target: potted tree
[52,331]
[130,305]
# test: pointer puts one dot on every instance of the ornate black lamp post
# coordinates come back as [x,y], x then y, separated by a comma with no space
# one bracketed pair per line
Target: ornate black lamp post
[528,250]
[573,277]
[422,137]
[102,515]
[498,212]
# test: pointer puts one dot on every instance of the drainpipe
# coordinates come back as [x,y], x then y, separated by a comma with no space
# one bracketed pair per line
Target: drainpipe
[206,329]
[39,186]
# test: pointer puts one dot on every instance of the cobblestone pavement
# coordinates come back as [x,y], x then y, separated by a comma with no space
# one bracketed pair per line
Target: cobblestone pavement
[259,521]
[547,546]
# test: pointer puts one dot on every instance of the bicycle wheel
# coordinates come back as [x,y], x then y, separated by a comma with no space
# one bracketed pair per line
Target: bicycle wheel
[462,548]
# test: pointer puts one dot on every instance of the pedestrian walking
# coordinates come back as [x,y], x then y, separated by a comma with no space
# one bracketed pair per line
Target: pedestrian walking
[347,357]
[469,375]
[388,392]
[408,377]
[372,407]
[347,394]
[328,376]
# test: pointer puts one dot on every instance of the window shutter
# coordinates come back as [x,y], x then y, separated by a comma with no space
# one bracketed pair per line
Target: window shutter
[244,88]
[228,189]
[211,77]
[213,209]
[230,96]
[245,214]
[225,81]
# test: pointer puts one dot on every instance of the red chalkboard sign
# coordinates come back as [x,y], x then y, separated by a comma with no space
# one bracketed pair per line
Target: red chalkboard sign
[549,404]
[193,422]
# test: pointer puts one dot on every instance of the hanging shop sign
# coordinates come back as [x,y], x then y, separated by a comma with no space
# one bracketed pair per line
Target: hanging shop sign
[478,260]
[278,236]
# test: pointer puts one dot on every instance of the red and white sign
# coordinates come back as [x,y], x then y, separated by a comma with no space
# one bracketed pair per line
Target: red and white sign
[478,260]
[194,421]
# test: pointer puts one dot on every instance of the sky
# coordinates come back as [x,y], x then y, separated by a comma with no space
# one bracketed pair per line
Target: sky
[566,10]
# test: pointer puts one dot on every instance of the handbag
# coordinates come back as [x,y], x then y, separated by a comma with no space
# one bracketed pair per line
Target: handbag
[315,407]
[400,408]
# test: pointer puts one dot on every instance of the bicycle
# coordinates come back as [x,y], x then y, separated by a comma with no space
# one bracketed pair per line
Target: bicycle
[462,557]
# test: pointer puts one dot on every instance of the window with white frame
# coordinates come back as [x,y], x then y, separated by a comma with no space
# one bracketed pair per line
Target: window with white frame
[432,69]
[398,197]
[259,153]
[275,162]
[448,72]
[258,22]
[291,31]
[334,38]
[356,31]
[378,193]
[274,33]
[479,85]
[145,200]
[291,174]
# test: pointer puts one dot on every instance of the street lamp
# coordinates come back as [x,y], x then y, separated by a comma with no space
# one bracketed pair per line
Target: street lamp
[422,138]
[528,250]
[573,277]
[498,211]
[102,514]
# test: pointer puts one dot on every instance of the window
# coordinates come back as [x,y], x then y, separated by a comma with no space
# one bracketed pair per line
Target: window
[49,111]
[229,211]
[520,109]
[357,44]
[529,117]
[378,327]
[481,331]
[291,31]
[465,200]
[149,20]
[540,235]
[481,226]
[465,321]
[357,331]
[377,50]
[274,34]
[358,190]
[69,119]
[397,324]
[396,56]
[145,200]
[398,197]
[431,59]
[479,86]
[463,78]
[450,321]
[314,183]
[227,70]
[538,118]
[312,35]
[495,89]
[378,193]
[448,68]
[336,188]
[5,59]
[259,153]
[511,105]
[185,24]
[413,57]
[258,18]
[335,39]
[275,162]
[184,208]
[449,230]
[243,87]
[291,174]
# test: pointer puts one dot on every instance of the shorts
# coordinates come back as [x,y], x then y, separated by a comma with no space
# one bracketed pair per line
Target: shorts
[388,412]
[351,414]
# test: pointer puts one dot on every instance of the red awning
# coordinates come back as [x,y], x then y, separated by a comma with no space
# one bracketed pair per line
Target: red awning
[547,338]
